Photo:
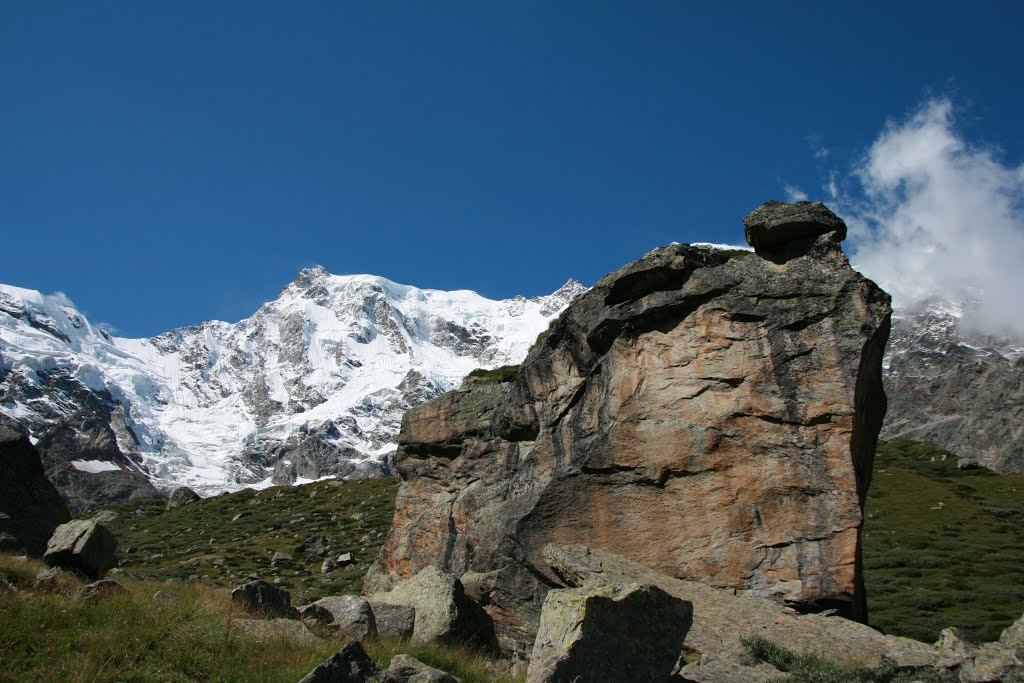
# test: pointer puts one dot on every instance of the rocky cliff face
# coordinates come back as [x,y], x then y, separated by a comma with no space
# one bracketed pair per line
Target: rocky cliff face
[710,414]
[30,508]
[954,388]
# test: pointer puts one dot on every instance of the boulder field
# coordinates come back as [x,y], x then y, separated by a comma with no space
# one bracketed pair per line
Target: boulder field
[709,414]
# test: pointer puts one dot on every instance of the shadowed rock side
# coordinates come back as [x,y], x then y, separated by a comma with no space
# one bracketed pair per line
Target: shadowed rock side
[30,508]
[709,414]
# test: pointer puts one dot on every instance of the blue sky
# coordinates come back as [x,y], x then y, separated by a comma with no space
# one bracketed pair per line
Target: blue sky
[168,163]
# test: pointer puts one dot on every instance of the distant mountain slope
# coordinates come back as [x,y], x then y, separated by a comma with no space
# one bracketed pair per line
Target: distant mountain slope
[956,389]
[314,383]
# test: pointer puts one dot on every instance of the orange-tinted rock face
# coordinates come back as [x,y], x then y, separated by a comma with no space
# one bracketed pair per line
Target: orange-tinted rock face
[711,415]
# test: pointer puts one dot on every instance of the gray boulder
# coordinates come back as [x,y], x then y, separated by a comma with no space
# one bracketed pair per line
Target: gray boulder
[314,546]
[443,611]
[406,669]
[775,223]
[260,596]
[280,560]
[182,496]
[627,633]
[350,664]
[82,545]
[350,615]
[30,507]
[394,621]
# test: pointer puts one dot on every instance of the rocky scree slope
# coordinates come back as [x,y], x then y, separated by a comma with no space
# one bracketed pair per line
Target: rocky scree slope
[954,388]
[313,384]
[709,414]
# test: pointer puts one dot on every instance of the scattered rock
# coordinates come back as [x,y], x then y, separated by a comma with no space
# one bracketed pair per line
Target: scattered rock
[101,589]
[345,559]
[239,515]
[443,612]
[260,596]
[82,545]
[350,616]
[269,629]
[48,579]
[182,496]
[280,560]
[406,669]
[30,507]
[165,597]
[394,621]
[610,633]
[350,664]
[314,546]
[328,565]
[1001,661]
[721,619]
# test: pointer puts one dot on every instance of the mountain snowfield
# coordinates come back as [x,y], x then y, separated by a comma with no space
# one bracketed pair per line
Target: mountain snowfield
[313,384]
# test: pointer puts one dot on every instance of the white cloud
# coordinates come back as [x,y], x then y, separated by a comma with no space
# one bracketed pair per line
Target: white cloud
[936,216]
[795,194]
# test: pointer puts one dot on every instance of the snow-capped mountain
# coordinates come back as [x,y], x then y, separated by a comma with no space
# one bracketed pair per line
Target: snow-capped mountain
[959,389]
[313,384]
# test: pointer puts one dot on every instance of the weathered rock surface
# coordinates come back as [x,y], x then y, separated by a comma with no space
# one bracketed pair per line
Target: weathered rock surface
[30,507]
[629,633]
[350,615]
[82,545]
[710,414]
[260,596]
[776,223]
[350,664]
[406,669]
[181,496]
[1001,661]
[443,612]
[394,621]
[721,619]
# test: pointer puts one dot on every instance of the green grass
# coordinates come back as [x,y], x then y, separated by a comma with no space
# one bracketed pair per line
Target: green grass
[928,566]
[815,669]
[205,539]
[54,636]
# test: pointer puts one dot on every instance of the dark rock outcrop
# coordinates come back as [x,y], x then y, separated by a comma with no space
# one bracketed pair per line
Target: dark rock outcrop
[30,507]
[350,664]
[82,545]
[710,414]
[264,598]
[628,633]
[406,669]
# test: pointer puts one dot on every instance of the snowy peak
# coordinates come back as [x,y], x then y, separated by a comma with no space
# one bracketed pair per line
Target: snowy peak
[314,383]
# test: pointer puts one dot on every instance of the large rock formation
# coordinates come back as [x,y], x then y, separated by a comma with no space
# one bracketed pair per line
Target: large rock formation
[709,414]
[30,508]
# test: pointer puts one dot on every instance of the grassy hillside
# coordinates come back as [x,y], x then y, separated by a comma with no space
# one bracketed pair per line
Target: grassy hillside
[224,540]
[48,636]
[942,546]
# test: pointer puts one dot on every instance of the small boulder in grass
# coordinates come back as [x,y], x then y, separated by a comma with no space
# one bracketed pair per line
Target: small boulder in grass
[82,545]
[262,597]
[101,589]
[406,669]
[350,664]
[351,616]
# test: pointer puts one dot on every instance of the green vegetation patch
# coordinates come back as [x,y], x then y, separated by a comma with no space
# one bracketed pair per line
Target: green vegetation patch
[942,546]
[130,637]
[225,540]
[815,669]
[506,373]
